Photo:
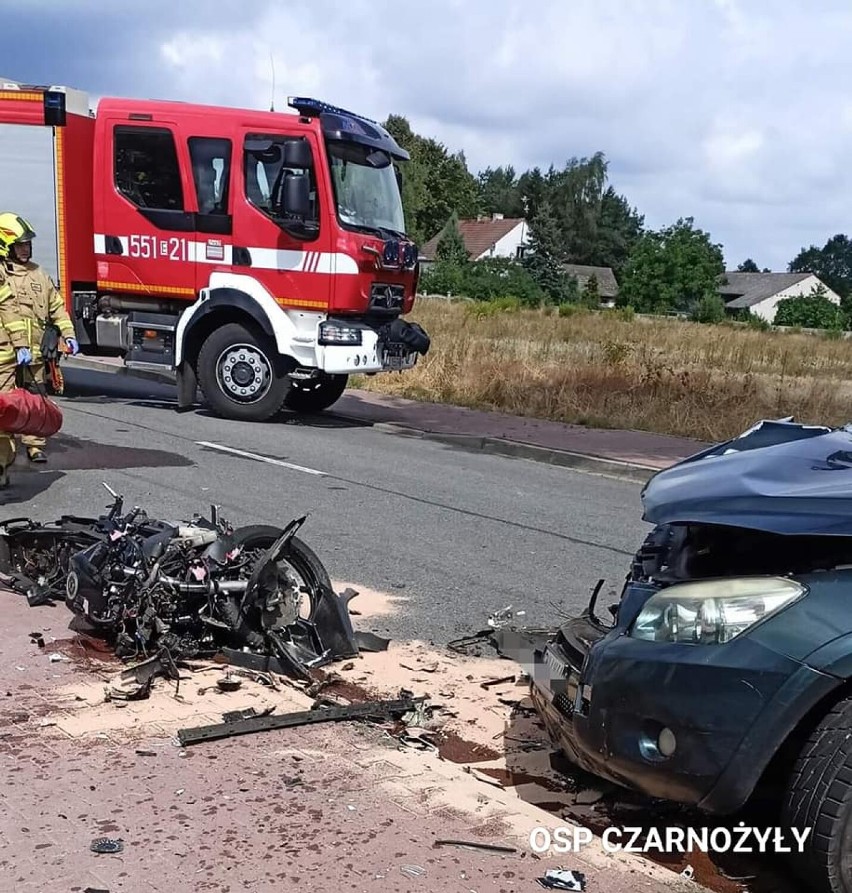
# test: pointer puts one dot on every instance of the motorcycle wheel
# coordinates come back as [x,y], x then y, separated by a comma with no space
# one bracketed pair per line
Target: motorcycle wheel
[302,559]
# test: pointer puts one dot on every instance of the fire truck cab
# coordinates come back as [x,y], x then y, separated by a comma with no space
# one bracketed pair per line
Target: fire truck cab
[261,256]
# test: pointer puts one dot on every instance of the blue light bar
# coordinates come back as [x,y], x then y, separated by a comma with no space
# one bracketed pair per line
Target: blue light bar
[312,108]
[340,124]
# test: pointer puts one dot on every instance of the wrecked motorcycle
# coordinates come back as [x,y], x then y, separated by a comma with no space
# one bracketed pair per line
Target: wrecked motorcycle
[194,588]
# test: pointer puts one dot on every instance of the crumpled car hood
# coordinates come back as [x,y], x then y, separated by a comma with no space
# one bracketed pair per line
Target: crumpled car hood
[778,476]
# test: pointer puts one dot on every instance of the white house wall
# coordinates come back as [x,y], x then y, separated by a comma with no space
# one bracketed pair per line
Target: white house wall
[768,308]
[509,244]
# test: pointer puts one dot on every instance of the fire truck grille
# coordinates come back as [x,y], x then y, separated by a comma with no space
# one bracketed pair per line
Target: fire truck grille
[386,298]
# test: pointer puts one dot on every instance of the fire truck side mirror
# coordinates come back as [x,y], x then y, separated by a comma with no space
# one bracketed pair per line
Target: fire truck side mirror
[297,154]
[296,197]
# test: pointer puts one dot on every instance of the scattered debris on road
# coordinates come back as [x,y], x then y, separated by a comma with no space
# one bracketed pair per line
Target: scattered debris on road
[492,682]
[107,845]
[475,845]
[412,870]
[381,710]
[558,879]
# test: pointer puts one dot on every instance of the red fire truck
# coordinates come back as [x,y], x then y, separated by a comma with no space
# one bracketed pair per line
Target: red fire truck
[261,256]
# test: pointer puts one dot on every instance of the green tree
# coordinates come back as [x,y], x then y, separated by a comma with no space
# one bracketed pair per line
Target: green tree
[748,266]
[619,229]
[499,192]
[533,191]
[546,256]
[545,236]
[597,225]
[832,264]
[436,183]
[590,296]
[451,248]
[576,196]
[672,269]
[450,273]
[811,311]
[592,224]
[501,277]
[710,309]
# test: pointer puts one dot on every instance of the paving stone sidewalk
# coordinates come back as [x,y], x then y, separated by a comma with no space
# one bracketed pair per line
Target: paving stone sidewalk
[332,807]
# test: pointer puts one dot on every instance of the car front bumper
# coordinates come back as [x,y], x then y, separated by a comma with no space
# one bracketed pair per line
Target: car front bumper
[605,699]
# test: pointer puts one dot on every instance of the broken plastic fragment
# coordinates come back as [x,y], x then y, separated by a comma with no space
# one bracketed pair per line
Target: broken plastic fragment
[419,717]
[412,870]
[559,879]
[500,618]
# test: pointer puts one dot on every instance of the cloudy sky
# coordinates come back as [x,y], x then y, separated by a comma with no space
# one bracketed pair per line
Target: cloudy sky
[735,112]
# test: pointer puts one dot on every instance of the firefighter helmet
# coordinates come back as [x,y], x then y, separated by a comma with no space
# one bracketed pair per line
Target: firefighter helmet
[13,230]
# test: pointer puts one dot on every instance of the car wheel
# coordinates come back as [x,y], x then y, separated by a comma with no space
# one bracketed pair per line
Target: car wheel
[819,798]
[241,375]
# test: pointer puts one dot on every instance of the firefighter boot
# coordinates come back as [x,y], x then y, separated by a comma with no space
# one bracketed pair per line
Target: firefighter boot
[35,447]
[36,454]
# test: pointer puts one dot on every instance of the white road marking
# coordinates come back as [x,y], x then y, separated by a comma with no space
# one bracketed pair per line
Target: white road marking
[257,458]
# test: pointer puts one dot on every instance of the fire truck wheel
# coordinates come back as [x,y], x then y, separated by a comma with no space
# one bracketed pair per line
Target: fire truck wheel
[317,395]
[241,374]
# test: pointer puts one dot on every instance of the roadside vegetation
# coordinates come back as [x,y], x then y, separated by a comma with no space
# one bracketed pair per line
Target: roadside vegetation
[616,369]
[530,339]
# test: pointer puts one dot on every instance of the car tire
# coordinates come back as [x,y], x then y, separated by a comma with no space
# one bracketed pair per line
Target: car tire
[245,350]
[819,797]
[308,397]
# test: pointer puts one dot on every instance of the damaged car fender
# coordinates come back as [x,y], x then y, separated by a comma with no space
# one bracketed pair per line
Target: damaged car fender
[771,729]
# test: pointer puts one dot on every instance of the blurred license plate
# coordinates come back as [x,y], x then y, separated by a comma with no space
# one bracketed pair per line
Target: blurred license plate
[397,360]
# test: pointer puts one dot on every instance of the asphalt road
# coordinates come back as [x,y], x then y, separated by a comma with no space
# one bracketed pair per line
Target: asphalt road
[457,535]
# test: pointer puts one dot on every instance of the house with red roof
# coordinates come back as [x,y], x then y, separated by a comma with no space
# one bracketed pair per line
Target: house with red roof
[484,237]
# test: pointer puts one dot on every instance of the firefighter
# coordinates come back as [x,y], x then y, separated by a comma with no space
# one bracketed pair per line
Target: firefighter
[8,368]
[34,303]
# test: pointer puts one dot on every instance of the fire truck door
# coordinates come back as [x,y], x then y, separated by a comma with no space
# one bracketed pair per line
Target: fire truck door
[146,223]
[294,265]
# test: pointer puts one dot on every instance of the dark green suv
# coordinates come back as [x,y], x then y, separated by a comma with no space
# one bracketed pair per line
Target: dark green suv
[727,672]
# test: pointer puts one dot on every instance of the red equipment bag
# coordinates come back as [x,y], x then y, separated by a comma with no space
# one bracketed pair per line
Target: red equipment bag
[22,412]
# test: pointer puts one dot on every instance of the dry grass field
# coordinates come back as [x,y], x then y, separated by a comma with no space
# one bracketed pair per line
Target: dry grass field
[605,370]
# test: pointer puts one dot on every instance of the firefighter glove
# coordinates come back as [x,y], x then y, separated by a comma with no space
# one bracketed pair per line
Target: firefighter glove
[24,356]
[73,347]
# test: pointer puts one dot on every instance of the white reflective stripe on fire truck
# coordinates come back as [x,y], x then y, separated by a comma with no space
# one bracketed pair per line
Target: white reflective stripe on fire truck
[100,244]
[215,251]
[302,261]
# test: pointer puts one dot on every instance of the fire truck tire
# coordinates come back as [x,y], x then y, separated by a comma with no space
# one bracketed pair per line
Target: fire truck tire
[316,396]
[241,375]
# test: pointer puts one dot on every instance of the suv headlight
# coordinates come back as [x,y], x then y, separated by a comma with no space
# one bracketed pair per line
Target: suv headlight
[712,612]
[338,333]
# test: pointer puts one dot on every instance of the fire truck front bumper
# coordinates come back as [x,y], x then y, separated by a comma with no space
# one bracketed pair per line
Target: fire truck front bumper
[346,346]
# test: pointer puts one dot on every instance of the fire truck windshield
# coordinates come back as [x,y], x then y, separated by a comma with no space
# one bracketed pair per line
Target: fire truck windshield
[366,189]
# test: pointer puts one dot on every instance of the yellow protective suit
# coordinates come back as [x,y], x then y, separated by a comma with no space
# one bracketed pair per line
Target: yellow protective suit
[33,302]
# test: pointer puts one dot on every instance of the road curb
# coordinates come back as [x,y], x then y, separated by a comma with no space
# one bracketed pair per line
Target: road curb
[629,471]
